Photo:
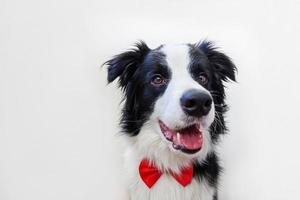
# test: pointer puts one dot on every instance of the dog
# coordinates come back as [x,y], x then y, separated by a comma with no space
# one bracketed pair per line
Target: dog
[172,118]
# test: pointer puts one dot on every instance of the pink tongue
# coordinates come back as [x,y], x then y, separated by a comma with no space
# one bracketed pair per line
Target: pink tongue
[189,138]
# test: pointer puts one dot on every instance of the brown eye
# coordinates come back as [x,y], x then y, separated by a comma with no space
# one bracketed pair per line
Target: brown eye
[203,79]
[157,80]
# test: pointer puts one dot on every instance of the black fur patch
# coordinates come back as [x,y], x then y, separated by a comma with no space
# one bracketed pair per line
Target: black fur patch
[206,59]
[135,68]
[209,169]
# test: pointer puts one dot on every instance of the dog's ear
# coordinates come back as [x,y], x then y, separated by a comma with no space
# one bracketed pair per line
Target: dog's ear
[222,64]
[124,65]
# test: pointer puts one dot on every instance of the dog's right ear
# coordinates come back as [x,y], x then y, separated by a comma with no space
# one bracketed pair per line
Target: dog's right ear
[124,65]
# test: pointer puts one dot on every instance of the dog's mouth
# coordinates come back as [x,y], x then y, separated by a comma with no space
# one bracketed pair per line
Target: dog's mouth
[189,139]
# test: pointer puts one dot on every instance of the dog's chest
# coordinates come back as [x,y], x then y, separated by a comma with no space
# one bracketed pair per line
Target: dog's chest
[166,188]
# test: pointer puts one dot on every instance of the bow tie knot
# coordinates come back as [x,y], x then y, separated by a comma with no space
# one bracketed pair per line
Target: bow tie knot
[150,174]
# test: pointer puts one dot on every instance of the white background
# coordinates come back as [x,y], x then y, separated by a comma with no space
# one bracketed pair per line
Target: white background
[58,118]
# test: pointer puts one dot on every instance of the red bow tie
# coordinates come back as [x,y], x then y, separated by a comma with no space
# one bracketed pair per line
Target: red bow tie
[150,174]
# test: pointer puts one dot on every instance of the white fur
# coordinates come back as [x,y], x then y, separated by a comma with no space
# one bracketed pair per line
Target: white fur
[151,144]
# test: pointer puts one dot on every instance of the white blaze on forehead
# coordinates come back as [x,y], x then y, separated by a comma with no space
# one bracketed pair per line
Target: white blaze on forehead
[177,56]
[178,60]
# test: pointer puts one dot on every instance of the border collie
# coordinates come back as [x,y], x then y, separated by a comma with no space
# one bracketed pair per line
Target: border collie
[172,118]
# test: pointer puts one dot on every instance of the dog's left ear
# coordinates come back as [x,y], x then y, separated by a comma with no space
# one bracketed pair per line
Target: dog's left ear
[222,64]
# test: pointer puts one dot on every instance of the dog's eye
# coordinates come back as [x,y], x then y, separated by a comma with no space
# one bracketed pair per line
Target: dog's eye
[203,79]
[157,80]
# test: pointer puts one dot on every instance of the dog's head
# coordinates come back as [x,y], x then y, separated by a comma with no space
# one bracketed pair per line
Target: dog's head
[173,96]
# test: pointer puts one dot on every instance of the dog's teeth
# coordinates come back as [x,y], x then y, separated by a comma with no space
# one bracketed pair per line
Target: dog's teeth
[178,136]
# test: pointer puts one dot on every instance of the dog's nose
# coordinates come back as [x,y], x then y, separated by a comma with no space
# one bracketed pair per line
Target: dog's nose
[196,103]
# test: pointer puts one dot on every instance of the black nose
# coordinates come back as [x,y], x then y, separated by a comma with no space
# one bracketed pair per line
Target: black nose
[195,103]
